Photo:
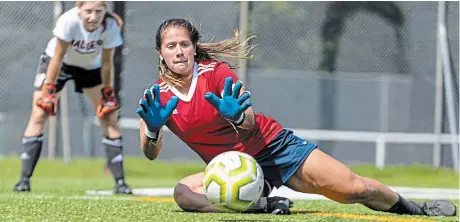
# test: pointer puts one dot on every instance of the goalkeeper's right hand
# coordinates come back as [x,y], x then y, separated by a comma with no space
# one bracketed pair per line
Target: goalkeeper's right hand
[151,111]
[48,100]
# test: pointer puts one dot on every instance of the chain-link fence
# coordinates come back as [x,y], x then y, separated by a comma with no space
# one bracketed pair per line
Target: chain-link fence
[364,66]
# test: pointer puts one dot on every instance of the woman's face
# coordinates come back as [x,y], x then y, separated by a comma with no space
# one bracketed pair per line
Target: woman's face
[177,50]
[92,14]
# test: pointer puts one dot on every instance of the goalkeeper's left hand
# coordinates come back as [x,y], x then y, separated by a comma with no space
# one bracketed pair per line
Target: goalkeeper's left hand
[108,103]
[232,105]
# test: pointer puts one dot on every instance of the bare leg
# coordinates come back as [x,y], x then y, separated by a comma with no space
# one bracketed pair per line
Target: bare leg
[111,141]
[32,143]
[38,118]
[322,174]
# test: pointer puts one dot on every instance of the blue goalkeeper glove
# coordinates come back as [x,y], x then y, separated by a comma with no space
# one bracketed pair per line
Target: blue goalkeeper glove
[151,111]
[231,106]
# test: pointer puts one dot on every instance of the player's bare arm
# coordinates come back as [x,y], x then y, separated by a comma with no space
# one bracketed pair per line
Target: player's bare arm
[48,99]
[151,149]
[249,119]
[107,67]
[109,103]
[56,61]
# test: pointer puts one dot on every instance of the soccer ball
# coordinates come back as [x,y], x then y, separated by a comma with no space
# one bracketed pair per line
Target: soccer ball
[233,181]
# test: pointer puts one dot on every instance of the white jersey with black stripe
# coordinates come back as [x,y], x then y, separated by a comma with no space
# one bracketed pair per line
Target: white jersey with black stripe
[85,50]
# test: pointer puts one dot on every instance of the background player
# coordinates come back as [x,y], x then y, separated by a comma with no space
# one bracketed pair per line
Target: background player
[85,38]
[189,75]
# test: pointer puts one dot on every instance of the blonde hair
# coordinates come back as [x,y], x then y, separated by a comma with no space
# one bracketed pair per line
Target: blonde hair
[227,49]
[107,14]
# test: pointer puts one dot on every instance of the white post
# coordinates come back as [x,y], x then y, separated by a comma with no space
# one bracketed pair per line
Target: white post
[384,102]
[380,147]
[2,137]
[65,130]
[438,100]
[458,136]
[243,26]
[87,135]
[63,110]
[448,88]
[458,139]
[52,122]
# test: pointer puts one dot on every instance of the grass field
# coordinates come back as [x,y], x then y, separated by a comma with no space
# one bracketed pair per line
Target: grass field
[58,194]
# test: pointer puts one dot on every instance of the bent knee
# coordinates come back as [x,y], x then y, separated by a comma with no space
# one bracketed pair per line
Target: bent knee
[180,191]
[110,128]
[181,195]
[38,117]
[106,123]
[360,191]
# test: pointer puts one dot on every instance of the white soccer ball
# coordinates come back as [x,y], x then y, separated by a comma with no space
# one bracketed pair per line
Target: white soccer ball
[233,181]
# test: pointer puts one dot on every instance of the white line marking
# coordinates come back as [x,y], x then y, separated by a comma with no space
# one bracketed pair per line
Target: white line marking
[51,196]
[407,192]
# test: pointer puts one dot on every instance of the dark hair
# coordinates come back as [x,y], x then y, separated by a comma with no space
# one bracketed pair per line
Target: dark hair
[177,22]
[230,49]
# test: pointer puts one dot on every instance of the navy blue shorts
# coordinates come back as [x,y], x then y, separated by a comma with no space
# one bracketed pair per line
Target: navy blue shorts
[283,157]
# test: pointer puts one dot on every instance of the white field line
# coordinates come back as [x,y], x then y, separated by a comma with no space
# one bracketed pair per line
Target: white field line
[407,192]
[63,197]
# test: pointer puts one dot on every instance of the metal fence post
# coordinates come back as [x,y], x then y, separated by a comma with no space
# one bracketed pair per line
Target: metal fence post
[52,122]
[438,102]
[88,136]
[2,126]
[380,153]
[243,26]
[448,89]
[119,9]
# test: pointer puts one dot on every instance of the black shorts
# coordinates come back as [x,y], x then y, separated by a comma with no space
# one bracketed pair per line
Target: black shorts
[82,78]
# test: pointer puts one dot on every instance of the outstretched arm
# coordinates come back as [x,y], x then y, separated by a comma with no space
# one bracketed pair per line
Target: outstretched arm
[153,118]
[150,148]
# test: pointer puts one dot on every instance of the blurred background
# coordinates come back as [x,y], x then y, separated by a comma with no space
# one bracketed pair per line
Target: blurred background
[370,82]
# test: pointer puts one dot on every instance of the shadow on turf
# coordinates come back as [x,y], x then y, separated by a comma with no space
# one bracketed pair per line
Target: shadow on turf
[292,212]
[305,212]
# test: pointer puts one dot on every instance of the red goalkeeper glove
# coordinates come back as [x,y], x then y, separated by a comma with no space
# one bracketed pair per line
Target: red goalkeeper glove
[108,103]
[48,100]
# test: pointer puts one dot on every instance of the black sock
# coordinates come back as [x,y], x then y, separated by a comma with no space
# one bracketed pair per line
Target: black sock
[114,154]
[404,206]
[260,204]
[32,148]
[268,188]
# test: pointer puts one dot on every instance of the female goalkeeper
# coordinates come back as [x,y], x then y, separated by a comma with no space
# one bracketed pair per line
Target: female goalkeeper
[195,99]
[85,38]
